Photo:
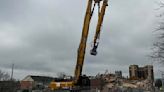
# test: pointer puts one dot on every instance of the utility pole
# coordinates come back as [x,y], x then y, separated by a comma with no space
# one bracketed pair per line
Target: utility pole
[162,74]
[12,72]
[11,79]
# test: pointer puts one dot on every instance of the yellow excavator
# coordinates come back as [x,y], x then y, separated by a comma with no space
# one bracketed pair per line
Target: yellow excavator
[79,80]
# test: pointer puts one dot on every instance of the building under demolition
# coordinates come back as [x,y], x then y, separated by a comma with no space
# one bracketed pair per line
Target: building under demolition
[142,73]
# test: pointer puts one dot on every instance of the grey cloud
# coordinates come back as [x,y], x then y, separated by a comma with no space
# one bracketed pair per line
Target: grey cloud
[43,36]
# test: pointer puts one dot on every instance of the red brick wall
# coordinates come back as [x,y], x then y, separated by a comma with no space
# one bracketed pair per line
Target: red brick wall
[26,84]
[95,83]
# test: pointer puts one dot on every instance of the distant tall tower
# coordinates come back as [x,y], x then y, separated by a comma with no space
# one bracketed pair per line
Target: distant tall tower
[118,74]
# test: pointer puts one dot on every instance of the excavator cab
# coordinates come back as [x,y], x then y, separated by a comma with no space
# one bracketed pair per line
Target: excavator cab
[83,82]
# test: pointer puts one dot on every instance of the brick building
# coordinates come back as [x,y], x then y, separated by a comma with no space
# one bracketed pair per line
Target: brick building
[35,82]
[136,72]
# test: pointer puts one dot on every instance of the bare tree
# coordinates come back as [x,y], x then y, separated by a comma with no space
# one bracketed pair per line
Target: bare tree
[4,76]
[158,49]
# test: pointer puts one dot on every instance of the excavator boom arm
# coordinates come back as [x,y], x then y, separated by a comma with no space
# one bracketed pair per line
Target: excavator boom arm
[82,46]
[98,27]
[100,20]
[84,37]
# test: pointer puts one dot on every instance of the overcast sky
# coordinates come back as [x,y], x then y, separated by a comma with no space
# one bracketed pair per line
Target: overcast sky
[41,37]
